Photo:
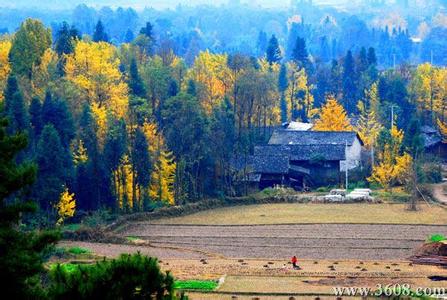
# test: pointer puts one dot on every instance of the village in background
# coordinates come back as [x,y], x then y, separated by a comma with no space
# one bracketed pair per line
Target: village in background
[190,150]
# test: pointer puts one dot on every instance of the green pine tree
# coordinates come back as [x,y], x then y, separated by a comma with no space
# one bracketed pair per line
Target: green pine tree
[21,252]
[273,52]
[100,34]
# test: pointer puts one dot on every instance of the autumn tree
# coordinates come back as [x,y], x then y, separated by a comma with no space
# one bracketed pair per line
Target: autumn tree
[94,69]
[212,75]
[162,177]
[443,129]
[368,127]
[44,75]
[5,66]
[299,93]
[66,206]
[429,91]
[28,46]
[332,117]
[392,166]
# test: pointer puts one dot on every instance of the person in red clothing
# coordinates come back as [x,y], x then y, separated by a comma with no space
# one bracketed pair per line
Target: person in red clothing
[294,261]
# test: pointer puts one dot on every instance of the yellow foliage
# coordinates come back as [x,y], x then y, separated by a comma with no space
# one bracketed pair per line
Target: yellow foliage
[100,115]
[5,66]
[386,172]
[42,73]
[332,117]
[443,128]
[392,166]
[368,127]
[66,207]
[155,139]
[94,69]
[80,155]
[162,178]
[123,178]
[429,89]
[266,67]
[372,96]
[298,82]
[212,74]
[163,174]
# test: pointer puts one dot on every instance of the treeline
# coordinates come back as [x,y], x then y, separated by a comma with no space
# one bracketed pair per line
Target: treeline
[411,35]
[129,129]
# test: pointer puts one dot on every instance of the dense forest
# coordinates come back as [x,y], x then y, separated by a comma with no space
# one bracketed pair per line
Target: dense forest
[129,119]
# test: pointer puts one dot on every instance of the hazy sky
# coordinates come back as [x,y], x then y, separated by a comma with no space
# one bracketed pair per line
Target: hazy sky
[139,4]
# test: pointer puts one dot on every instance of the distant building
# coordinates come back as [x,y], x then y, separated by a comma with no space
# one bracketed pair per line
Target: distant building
[433,143]
[306,158]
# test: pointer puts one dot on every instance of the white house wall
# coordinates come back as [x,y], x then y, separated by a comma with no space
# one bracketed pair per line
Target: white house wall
[353,155]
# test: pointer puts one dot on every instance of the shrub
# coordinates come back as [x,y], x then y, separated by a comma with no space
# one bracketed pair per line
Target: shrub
[128,277]
[66,268]
[98,218]
[78,250]
[58,252]
[436,238]
[323,189]
[71,227]
[430,173]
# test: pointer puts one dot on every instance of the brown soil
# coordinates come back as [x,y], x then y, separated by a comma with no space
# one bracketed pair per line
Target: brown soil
[432,249]
[308,241]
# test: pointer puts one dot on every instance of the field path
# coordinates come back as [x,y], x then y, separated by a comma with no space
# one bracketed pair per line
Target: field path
[438,192]
[438,189]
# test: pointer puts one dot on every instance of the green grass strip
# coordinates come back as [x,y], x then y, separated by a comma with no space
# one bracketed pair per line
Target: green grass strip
[204,285]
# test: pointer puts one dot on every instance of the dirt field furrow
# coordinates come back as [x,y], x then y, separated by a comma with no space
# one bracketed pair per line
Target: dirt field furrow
[308,241]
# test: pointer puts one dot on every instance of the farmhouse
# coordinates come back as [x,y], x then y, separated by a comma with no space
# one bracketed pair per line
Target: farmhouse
[433,143]
[306,158]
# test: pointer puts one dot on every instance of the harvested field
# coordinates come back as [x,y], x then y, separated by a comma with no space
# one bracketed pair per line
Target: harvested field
[335,245]
[314,213]
[311,241]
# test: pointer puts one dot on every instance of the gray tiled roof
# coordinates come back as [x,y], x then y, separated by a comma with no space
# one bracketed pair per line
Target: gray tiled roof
[431,140]
[429,129]
[286,137]
[276,164]
[303,152]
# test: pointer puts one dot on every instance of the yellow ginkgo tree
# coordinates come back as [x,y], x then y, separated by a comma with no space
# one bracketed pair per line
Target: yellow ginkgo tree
[392,167]
[5,66]
[164,166]
[94,69]
[368,128]
[443,129]
[66,206]
[333,117]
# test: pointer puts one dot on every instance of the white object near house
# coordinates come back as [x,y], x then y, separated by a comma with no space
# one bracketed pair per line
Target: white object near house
[299,126]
